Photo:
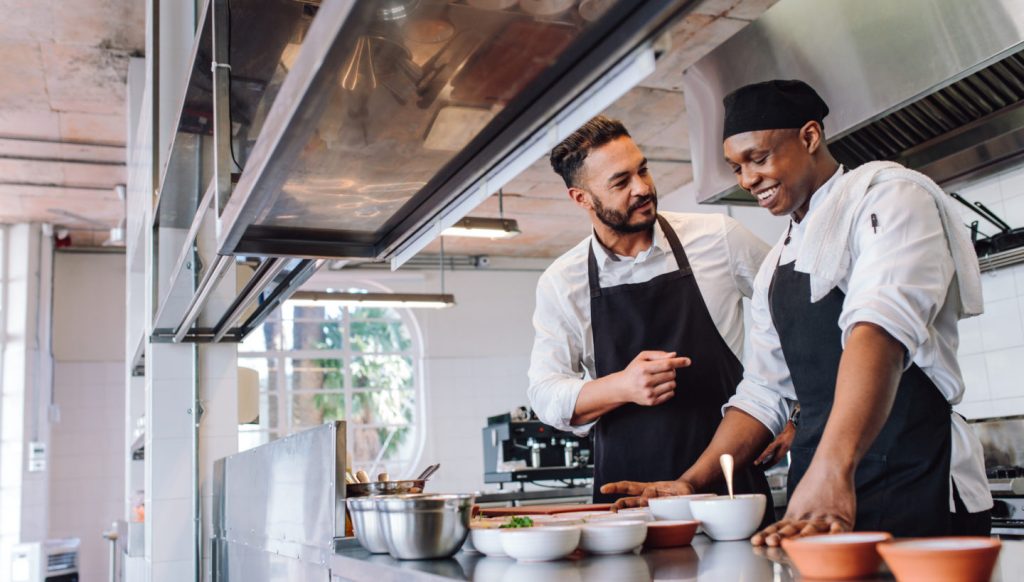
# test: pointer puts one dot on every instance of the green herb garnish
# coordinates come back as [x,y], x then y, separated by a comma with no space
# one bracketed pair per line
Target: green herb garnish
[517,521]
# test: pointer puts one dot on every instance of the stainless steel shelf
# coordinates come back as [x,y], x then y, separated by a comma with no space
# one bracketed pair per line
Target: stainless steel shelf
[215,118]
[1001,260]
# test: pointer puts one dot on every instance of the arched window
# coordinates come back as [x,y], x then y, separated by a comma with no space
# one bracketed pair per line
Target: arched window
[325,361]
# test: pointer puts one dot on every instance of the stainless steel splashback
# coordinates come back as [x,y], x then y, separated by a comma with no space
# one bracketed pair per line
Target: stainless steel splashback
[867,59]
[279,507]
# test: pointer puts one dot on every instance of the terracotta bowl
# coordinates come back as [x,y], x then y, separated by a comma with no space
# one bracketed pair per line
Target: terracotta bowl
[960,559]
[836,556]
[670,534]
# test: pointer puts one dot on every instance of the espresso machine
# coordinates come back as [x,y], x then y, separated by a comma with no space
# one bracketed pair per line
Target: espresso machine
[520,448]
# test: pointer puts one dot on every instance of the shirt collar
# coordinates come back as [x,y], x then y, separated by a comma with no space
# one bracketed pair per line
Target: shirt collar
[822,192]
[658,246]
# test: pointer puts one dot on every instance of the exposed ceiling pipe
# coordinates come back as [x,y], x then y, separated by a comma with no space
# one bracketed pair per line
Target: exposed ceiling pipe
[117,233]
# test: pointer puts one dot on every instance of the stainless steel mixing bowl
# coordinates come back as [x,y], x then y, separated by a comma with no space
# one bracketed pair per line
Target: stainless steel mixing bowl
[366,523]
[418,527]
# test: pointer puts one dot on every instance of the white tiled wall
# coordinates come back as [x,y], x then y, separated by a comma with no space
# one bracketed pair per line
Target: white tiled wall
[87,458]
[992,345]
[462,393]
[88,452]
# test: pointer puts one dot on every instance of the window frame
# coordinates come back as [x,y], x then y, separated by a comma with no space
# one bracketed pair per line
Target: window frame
[281,395]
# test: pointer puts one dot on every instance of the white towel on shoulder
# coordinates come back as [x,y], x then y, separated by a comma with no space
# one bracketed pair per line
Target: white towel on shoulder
[825,255]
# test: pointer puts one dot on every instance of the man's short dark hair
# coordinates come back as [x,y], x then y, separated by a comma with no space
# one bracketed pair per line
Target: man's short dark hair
[567,158]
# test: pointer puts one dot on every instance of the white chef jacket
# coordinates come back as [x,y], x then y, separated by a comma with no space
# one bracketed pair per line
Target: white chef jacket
[901,279]
[724,256]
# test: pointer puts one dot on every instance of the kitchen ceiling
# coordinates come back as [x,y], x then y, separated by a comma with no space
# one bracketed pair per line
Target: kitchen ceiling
[62,110]
[62,121]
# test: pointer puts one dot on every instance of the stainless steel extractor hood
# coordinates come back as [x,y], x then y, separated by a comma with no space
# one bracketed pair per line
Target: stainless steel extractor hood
[935,84]
[395,118]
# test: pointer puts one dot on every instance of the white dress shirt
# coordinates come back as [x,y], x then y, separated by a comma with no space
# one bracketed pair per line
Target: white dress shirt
[724,257]
[901,278]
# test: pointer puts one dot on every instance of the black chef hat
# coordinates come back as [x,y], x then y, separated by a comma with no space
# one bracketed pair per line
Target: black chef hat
[777,104]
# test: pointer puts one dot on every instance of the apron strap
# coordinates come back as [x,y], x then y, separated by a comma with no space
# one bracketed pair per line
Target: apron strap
[677,247]
[673,241]
[592,274]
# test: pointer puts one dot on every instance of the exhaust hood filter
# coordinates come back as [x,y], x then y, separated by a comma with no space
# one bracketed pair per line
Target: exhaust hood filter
[937,85]
[951,124]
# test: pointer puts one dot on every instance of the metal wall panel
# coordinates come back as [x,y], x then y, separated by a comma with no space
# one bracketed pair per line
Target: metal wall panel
[279,507]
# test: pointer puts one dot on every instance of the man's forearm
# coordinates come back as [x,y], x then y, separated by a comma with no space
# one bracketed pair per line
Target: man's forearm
[740,435]
[598,397]
[869,373]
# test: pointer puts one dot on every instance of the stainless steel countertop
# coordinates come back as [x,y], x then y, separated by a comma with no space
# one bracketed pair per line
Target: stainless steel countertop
[705,560]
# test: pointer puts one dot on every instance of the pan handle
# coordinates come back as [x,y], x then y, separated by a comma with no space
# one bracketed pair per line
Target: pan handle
[998,221]
[981,211]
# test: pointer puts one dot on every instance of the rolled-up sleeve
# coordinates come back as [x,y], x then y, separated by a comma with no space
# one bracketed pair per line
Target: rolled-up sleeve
[766,391]
[556,371]
[901,265]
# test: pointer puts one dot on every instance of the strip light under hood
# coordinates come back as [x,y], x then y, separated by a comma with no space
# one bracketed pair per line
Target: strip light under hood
[484,228]
[403,300]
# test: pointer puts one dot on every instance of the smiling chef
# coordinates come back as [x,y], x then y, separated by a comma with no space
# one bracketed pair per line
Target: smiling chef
[855,315]
[639,326]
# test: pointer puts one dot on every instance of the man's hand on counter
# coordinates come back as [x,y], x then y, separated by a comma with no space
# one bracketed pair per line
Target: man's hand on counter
[639,492]
[824,502]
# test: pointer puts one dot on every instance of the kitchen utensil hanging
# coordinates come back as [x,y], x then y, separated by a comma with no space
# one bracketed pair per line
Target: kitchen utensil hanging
[1006,239]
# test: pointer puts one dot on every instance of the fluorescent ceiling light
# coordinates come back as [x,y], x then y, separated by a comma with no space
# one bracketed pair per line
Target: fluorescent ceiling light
[483,228]
[406,300]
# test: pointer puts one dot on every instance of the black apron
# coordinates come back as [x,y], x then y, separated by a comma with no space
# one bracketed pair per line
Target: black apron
[658,443]
[902,483]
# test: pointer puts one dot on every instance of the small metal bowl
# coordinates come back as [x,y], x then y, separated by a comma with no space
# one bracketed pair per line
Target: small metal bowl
[419,527]
[385,488]
[366,524]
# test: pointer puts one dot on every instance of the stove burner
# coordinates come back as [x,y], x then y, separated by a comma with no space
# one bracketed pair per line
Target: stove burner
[1004,472]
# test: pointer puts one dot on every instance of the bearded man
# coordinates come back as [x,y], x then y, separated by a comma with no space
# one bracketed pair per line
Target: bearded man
[639,328]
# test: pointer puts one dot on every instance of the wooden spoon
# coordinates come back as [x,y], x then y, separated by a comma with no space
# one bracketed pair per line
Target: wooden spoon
[727,466]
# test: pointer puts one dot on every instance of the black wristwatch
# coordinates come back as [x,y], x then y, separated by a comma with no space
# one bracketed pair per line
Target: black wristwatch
[794,416]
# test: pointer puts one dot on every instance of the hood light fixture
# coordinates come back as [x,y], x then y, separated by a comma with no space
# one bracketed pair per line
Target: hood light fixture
[500,227]
[483,228]
[402,300]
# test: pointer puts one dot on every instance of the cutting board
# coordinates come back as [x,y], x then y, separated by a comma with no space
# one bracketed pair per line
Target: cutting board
[542,509]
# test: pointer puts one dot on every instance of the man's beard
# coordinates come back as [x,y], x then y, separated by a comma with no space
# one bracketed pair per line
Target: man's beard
[619,221]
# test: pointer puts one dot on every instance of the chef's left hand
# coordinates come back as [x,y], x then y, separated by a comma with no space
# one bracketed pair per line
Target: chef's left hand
[640,492]
[825,501]
[778,449]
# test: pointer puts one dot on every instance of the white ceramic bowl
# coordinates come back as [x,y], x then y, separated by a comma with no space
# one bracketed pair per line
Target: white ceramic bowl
[487,541]
[674,508]
[540,544]
[634,514]
[561,519]
[612,537]
[725,518]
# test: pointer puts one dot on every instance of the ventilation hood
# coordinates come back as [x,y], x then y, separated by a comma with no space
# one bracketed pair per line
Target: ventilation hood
[937,85]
